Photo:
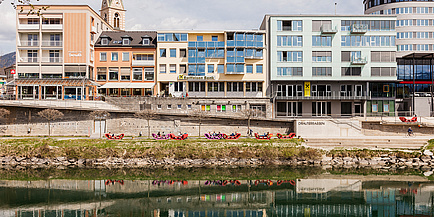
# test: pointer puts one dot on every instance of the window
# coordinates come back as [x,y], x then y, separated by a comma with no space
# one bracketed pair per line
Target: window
[289,41]
[125,74]
[220,68]
[383,71]
[236,108]
[368,41]
[321,56]
[374,107]
[101,74]
[55,39]
[149,74]
[345,56]
[321,41]
[103,56]
[178,86]
[114,56]
[163,52]
[288,56]
[249,68]
[210,68]
[137,74]
[235,87]
[32,56]
[289,71]
[158,106]
[126,41]
[172,52]
[253,86]
[113,74]
[162,68]
[182,69]
[214,38]
[351,71]
[189,106]
[143,57]
[289,25]
[146,41]
[179,106]
[383,56]
[172,68]
[317,24]
[199,38]
[259,68]
[125,56]
[182,52]
[216,87]
[196,86]
[54,56]
[169,106]
[104,41]
[221,108]
[321,71]
[205,108]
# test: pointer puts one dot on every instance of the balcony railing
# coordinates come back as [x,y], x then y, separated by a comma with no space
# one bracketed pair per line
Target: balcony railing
[359,28]
[329,29]
[31,43]
[359,61]
[28,26]
[52,26]
[52,43]
[143,63]
[28,60]
[234,73]
[52,59]
[329,95]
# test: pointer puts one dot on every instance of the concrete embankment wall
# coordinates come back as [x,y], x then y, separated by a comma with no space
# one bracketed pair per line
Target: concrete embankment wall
[26,122]
[377,128]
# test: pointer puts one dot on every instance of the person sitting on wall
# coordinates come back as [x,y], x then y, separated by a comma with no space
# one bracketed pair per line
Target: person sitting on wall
[158,134]
[232,134]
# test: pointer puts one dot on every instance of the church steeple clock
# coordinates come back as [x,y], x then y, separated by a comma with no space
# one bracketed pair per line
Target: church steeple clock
[113,12]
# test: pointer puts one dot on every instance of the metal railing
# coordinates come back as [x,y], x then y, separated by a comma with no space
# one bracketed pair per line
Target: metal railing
[52,43]
[28,60]
[52,59]
[359,28]
[329,29]
[326,95]
[31,43]
[359,61]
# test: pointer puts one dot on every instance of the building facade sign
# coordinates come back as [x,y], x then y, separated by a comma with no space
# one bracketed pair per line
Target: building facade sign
[74,53]
[193,78]
[307,89]
[314,123]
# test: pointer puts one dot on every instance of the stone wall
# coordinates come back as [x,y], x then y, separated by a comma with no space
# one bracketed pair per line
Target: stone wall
[375,128]
[26,122]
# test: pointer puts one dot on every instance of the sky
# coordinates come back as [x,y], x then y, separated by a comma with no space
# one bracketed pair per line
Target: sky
[191,14]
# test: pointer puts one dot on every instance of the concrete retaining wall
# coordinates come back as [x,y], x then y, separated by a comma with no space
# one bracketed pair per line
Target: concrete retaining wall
[375,128]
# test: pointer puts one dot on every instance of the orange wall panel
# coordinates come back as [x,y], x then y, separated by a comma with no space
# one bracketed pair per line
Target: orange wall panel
[75,37]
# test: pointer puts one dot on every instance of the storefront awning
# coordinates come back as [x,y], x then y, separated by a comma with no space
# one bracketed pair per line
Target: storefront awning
[128,85]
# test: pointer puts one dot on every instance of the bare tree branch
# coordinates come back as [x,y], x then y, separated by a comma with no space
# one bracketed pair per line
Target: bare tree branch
[96,115]
[248,114]
[50,115]
[147,115]
[200,115]
[34,10]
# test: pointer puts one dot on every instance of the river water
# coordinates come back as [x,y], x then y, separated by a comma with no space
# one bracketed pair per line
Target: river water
[319,194]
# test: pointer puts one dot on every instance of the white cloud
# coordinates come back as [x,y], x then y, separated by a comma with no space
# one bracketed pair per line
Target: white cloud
[193,14]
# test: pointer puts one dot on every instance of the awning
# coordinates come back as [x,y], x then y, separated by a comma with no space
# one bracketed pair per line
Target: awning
[128,85]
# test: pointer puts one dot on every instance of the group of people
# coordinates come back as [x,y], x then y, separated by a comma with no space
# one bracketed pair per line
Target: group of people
[158,134]
[214,133]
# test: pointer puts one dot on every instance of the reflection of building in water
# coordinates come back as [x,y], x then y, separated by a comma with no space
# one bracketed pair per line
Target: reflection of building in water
[304,197]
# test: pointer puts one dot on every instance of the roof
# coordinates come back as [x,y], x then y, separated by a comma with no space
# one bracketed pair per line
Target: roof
[115,39]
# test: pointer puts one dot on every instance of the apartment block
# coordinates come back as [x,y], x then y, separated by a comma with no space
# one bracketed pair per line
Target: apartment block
[331,66]
[55,53]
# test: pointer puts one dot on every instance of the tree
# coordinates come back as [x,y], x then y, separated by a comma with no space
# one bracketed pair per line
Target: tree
[248,114]
[148,115]
[50,115]
[200,115]
[99,115]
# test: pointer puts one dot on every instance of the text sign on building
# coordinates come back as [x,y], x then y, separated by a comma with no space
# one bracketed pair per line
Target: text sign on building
[307,89]
[75,53]
[192,78]
[13,71]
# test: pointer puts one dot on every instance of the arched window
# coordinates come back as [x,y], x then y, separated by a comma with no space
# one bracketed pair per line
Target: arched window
[105,17]
[116,21]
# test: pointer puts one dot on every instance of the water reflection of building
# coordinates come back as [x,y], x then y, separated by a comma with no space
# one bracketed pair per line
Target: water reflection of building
[304,197]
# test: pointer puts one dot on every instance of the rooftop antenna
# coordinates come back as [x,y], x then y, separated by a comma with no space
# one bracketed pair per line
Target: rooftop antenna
[336,5]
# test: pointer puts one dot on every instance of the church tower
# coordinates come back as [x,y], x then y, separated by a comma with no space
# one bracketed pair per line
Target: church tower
[113,12]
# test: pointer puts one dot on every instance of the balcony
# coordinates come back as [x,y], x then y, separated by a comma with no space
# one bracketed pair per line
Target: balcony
[329,95]
[52,59]
[28,26]
[28,60]
[359,61]
[359,28]
[93,30]
[32,43]
[52,43]
[143,63]
[329,29]
[234,73]
[52,26]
